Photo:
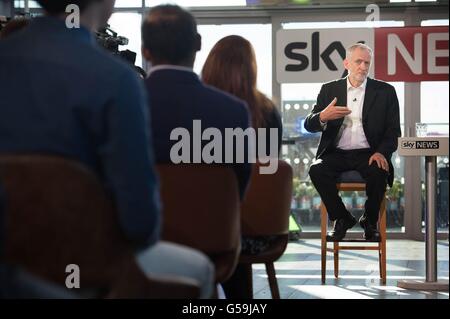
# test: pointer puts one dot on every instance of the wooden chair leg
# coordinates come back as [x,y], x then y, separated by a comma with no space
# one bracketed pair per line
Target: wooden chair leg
[336,259]
[215,293]
[249,276]
[323,240]
[272,281]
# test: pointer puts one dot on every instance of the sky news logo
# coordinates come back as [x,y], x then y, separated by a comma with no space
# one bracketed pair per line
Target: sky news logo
[421,145]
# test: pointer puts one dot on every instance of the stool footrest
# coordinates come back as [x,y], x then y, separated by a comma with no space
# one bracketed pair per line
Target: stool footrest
[357,248]
[353,241]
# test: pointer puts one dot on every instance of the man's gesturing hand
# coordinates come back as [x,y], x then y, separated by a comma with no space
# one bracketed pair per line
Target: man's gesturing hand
[381,161]
[333,112]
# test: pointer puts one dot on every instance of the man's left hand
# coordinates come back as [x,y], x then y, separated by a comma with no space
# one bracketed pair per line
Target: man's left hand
[380,160]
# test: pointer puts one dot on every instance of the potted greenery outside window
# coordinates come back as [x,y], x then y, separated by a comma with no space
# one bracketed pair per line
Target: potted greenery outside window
[394,194]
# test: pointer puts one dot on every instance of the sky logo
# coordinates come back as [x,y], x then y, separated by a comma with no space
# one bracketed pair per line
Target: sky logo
[408,145]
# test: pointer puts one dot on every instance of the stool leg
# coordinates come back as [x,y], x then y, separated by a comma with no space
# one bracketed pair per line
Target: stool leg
[323,239]
[380,263]
[336,259]
[383,261]
[382,244]
[324,260]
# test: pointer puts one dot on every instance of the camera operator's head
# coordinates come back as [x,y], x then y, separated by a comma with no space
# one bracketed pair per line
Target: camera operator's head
[170,36]
[94,14]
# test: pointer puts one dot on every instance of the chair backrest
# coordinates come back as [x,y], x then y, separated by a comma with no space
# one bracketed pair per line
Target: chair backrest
[201,210]
[266,207]
[57,213]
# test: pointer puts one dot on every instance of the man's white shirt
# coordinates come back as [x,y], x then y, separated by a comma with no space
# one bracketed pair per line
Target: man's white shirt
[351,135]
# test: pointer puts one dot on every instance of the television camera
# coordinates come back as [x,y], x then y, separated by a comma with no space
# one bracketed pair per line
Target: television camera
[111,41]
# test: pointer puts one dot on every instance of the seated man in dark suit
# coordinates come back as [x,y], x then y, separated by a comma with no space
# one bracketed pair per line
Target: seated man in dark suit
[62,94]
[360,136]
[176,94]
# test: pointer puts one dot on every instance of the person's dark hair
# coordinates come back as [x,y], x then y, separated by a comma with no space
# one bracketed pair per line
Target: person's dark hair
[231,67]
[13,26]
[170,34]
[59,6]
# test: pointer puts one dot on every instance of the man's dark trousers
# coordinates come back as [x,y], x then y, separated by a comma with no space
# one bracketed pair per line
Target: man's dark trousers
[324,171]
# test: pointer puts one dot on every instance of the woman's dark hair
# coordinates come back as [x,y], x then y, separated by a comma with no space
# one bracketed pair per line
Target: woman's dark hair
[231,67]
[59,6]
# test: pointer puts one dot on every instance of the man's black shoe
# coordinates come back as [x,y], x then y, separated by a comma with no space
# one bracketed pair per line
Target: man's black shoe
[341,226]
[370,231]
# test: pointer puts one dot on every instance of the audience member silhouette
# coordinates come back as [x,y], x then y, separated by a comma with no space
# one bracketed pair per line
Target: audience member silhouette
[177,97]
[231,66]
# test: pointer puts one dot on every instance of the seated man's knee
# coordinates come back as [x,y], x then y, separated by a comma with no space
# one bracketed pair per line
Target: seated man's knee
[377,174]
[316,170]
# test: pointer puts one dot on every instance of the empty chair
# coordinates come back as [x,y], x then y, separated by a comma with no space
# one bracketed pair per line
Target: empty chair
[265,212]
[201,210]
[353,181]
[58,214]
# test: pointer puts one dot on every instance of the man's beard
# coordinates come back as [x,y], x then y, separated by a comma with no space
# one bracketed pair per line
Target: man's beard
[360,77]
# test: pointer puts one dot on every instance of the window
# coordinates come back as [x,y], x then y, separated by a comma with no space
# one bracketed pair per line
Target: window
[22,3]
[119,4]
[252,32]
[128,25]
[128,3]
[434,112]
[197,3]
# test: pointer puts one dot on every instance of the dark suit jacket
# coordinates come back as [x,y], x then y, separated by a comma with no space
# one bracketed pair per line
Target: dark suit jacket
[380,117]
[177,97]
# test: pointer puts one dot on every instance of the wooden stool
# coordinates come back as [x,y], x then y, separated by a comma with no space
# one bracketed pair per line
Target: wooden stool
[352,181]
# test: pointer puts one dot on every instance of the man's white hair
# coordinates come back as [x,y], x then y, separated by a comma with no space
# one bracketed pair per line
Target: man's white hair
[355,46]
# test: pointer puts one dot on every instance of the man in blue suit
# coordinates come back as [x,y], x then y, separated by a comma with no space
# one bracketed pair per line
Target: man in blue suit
[62,94]
[176,94]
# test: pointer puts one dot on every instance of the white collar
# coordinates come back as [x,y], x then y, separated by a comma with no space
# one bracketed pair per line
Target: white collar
[170,67]
[362,86]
